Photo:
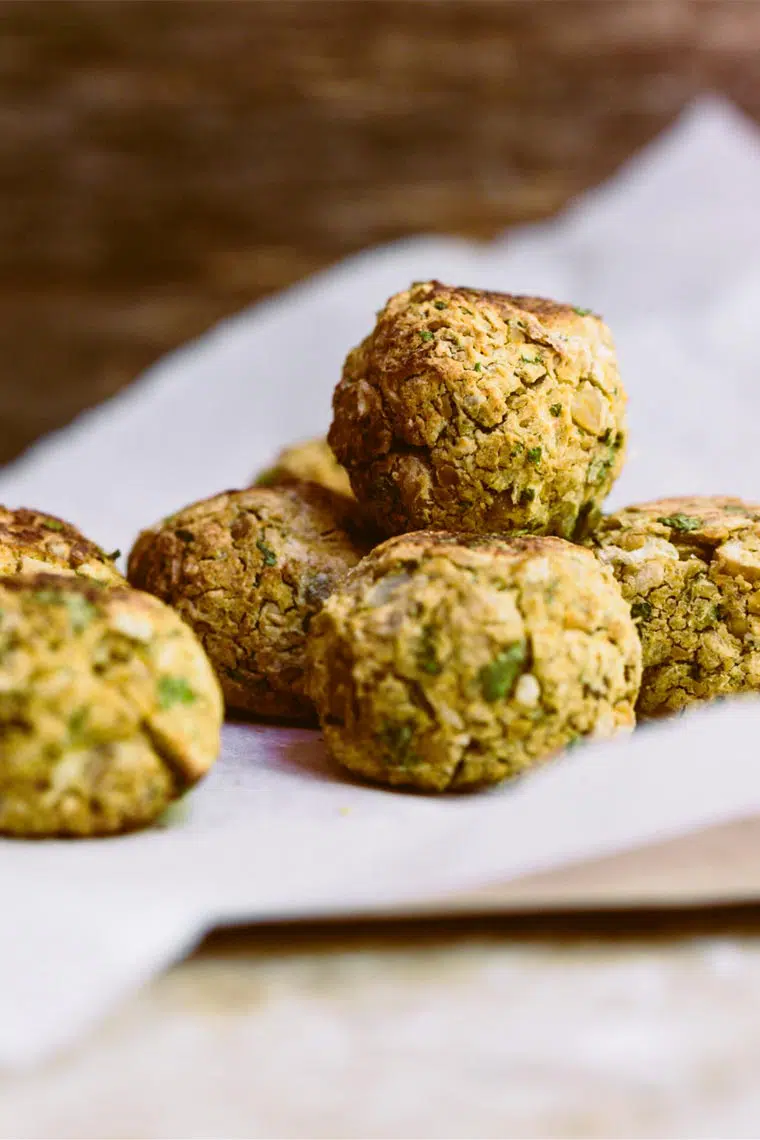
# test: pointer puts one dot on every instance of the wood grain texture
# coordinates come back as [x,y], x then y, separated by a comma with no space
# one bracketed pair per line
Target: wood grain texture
[165,163]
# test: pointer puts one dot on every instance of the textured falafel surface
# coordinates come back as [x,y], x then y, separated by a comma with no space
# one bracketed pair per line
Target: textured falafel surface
[479,411]
[452,661]
[690,569]
[248,570]
[109,709]
[311,461]
[32,542]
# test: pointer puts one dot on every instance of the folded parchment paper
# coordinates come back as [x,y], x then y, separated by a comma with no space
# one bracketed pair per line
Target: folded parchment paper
[667,250]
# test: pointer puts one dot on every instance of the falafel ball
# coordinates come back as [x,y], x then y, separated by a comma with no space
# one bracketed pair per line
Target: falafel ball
[690,569]
[476,411]
[311,461]
[448,661]
[248,570]
[32,542]
[109,709]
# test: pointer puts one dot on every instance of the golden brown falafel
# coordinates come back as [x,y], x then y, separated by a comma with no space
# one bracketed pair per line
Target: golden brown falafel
[480,411]
[109,709]
[32,542]
[248,570]
[451,661]
[690,569]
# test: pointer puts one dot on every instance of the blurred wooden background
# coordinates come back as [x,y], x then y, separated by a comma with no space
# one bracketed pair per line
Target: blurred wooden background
[164,163]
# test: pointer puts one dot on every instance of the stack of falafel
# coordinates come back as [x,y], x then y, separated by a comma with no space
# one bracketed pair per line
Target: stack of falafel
[435,583]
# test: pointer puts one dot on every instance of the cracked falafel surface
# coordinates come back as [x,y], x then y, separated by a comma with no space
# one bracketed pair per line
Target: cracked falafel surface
[479,411]
[248,570]
[32,542]
[452,661]
[109,709]
[690,569]
[311,461]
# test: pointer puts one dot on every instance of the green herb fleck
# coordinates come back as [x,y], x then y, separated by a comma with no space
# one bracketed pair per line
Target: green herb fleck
[80,610]
[478,367]
[268,555]
[681,522]
[77,721]
[174,691]
[52,524]
[426,335]
[268,477]
[534,455]
[719,613]
[498,678]
[185,535]
[440,304]
[582,312]
[606,435]
[397,738]
[556,409]
[641,610]
[427,655]
[114,554]
[530,360]
[528,495]
[573,741]
[618,441]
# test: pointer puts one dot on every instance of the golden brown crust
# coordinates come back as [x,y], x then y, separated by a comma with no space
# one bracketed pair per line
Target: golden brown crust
[32,542]
[248,570]
[109,708]
[480,411]
[690,569]
[450,661]
[311,461]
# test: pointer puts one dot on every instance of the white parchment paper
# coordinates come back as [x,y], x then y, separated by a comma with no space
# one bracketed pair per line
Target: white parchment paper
[669,251]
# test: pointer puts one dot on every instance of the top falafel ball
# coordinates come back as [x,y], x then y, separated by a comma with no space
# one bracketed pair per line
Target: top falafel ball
[480,412]
[32,542]
[311,461]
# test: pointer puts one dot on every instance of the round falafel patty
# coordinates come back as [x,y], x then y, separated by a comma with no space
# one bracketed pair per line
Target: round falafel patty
[109,709]
[477,411]
[35,543]
[690,569]
[309,462]
[451,661]
[248,570]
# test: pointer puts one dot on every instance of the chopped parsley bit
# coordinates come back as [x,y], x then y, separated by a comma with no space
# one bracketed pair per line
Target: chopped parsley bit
[52,524]
[268,477]
[528,495]
[573,741]
[185,535]
[498,678]
[468,311]
[680,522]
[174,691]
[397,738]
[77,721]
[426,335]
[427,656]
[268,555]
[534,455]
[114,554]
[719,613]
[530,360]
[641,610]
[619,440]
[582,312]
[440,304]
[81,612]
[556,409]
[605,437]
[478,367]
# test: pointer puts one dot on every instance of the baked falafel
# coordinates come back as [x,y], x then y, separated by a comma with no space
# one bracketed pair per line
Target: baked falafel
[481,412]
[448,661]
